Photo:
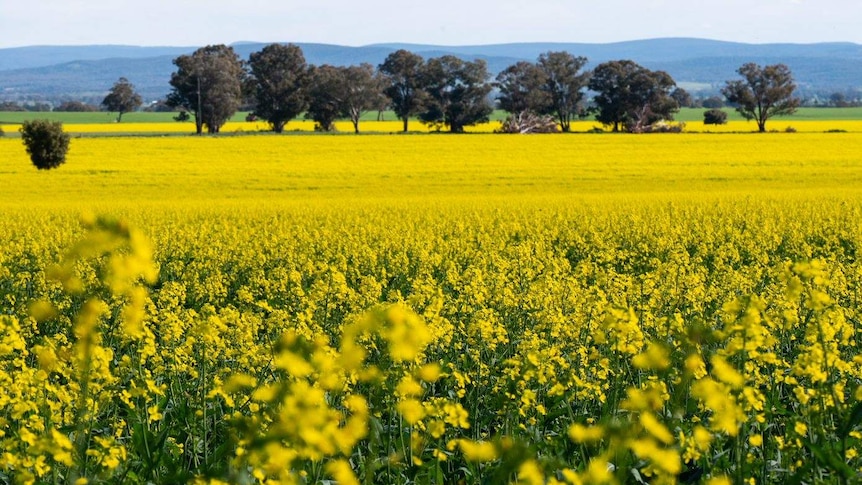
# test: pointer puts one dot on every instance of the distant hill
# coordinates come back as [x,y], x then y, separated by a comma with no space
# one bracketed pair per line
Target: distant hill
[87,72]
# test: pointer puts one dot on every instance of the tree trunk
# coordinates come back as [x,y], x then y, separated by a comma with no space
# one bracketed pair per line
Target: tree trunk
[405,124]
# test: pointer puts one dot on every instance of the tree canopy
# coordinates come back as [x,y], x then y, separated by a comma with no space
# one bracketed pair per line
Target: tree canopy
[457,92]
[401,70]
[630,96]
[279,83]
[521,88]
[326,96]
[363,92]
[564,84]
[763,92]
[122,98]
[208,83]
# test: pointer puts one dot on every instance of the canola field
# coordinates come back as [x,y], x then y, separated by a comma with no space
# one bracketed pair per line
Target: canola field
[433,309]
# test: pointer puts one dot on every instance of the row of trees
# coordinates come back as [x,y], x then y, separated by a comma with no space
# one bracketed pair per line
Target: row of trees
[213,82]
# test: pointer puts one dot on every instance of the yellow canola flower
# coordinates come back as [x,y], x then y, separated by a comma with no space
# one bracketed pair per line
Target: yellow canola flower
[585,434]
[477,451]
[429,372]
[412,410]
[529,473]
[656,357]
[655,428]
[665,459]
[724,372]
[341,472]
[406,332]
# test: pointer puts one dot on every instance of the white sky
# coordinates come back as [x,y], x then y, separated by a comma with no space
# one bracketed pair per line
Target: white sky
[446,22]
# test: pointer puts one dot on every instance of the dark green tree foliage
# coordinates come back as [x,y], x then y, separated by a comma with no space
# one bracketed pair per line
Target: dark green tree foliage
[714,116]
[122,98]
[363,92]
[401,70]
[208,84]
[763,92]
[326,96]
[279,82]
[564,85]
[521,89]
[45,142]
[630,96]
[457,92]
[76,107]
[682,97]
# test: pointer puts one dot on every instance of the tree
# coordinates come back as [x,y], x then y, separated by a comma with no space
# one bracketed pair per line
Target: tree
[521,87]
[714,116]
[208,84]
[682,97]
[401,70]
[564,84]
[326,96]
[122,98]
[279,82]
[363,92]
[45,142]
[457,92]
[763,92]
[76,107]
[630,96]
[713,102]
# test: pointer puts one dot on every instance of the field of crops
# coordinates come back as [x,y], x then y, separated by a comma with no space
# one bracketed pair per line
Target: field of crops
[433,309]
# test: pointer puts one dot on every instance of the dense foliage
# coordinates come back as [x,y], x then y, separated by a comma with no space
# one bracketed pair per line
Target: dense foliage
[762,93]
[45,142]
[208,84]
[122,98]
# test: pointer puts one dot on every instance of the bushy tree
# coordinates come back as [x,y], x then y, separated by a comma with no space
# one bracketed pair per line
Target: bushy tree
[521,88]
[363,92]
[208,84]
[76,107]
[714,117]
[630,96]
[279,82]
[564,84]
[326,96]
[45,142]
[763,92]
[457,92]
[713,102]
[401,70]
[122,98]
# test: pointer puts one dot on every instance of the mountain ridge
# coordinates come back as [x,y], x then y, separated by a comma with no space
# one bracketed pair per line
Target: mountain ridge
[88,71]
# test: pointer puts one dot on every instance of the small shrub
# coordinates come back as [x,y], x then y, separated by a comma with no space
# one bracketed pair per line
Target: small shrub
[714,117]
[45,143]
[182,116]
[790,129]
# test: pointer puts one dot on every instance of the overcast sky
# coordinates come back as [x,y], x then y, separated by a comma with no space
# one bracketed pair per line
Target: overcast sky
[446,22]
